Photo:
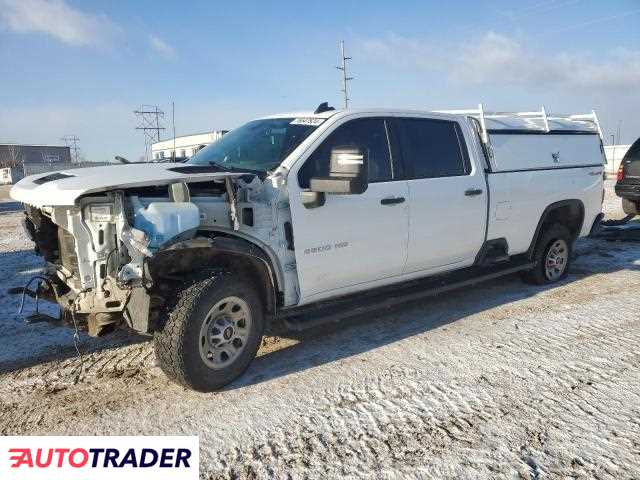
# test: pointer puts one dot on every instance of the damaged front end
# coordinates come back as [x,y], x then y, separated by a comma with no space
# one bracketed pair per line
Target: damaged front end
[95,262]
[101,251]
[117,253]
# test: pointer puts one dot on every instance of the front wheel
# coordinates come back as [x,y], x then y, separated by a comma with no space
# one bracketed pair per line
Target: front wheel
[551,257]
[212,332]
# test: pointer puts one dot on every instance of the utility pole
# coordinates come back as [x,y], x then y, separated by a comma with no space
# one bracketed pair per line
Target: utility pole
[149,117]
[173,123]
[345,77]
[73,142]
[613,154]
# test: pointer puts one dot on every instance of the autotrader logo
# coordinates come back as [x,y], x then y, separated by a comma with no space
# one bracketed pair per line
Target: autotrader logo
[99,457]
[68,458]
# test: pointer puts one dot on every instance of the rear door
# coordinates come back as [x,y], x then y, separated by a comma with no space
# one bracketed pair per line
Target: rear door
[351,240]
[447,195]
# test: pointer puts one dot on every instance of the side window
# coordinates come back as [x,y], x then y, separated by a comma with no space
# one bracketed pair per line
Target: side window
[433,148]
[369,134]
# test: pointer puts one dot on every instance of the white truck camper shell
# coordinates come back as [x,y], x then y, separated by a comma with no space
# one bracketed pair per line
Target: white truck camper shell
[516,141]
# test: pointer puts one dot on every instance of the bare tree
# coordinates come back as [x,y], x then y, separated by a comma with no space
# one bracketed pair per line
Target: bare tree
[14,157]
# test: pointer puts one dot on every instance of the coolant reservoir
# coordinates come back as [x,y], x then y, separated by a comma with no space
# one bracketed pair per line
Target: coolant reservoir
[162,221]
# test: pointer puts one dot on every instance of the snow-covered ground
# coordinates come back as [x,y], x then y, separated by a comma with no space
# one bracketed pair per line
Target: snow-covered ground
[500,380]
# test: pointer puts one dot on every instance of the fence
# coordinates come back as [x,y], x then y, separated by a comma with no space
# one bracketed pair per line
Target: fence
[35,168]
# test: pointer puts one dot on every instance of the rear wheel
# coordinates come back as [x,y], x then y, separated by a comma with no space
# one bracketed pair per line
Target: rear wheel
[630,207]
[551,257]
[212,332]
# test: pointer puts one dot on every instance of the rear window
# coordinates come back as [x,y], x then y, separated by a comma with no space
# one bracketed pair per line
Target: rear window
[433,148]
[633,154]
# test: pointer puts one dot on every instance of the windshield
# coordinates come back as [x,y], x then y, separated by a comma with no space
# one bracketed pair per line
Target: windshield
[260,145]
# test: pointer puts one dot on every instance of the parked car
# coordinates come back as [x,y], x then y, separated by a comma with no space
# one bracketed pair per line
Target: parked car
[628,182]
[299,217]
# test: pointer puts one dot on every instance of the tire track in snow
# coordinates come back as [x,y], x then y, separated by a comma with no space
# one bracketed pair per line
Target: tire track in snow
[420,418]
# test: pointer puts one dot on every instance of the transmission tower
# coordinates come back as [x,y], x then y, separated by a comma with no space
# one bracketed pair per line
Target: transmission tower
[345,77]
[73,142]
[149,121]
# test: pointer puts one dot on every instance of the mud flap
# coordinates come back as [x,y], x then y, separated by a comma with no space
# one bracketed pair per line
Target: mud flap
[136,313]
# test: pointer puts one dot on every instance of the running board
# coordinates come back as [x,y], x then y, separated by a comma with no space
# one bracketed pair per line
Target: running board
[302,318]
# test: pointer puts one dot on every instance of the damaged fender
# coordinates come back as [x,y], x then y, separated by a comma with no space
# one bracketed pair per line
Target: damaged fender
[219,252]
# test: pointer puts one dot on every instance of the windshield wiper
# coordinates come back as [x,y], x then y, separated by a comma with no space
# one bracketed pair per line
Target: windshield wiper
[224,168]
[218,166]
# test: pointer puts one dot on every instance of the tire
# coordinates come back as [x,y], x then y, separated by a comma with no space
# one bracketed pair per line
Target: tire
[630,207]
[556,237]
[212,332]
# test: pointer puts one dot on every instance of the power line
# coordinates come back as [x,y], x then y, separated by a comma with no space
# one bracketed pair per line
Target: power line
[149,117]
[618,131]
[345,77]
[73,142]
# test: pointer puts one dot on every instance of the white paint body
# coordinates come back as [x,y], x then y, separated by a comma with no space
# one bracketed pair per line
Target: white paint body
[79,182]
[439,229]
[527,152]
[353,242]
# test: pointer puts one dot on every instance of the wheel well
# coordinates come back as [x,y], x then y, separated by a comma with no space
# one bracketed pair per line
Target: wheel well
[167,268]
[569,213]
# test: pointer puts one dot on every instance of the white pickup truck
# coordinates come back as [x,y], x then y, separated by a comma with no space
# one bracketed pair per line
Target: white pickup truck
[310,216]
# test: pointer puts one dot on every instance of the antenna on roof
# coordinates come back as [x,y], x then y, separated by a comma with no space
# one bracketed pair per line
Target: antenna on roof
[323,107]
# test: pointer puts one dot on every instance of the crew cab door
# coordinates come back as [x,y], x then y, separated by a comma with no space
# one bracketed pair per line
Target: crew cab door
[447,194]
[352,239]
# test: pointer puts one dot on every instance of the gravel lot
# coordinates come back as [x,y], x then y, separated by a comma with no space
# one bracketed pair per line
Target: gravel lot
[501,380]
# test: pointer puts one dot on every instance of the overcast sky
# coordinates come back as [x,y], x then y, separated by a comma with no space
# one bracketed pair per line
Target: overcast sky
[82,67]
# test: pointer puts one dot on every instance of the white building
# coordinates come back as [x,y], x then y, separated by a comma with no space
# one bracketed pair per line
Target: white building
[184,146]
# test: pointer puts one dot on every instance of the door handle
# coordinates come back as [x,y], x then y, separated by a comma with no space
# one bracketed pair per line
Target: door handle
[473,192]
[392,200]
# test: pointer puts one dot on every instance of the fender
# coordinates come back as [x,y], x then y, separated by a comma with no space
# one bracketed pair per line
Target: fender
[573,203]
[260,245]
[201,250]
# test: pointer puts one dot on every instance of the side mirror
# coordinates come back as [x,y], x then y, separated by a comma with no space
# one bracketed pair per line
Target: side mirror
[347,172]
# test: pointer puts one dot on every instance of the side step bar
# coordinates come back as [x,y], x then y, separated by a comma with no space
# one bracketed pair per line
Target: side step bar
[302,318]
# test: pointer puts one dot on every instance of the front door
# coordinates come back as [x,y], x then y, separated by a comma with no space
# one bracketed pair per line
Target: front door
[351,240]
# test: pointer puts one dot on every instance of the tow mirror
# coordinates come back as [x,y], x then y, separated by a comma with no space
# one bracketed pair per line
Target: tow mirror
[347,172]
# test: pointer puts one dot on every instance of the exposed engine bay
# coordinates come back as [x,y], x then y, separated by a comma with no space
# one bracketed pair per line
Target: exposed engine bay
[115,258]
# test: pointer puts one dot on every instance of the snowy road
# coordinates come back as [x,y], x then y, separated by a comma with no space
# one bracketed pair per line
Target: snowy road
[501,380]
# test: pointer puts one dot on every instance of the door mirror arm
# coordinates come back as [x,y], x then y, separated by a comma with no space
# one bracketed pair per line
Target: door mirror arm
[312,199]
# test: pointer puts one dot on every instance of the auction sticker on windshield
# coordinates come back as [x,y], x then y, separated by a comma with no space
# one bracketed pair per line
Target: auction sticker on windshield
[98,458]
[311,121]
